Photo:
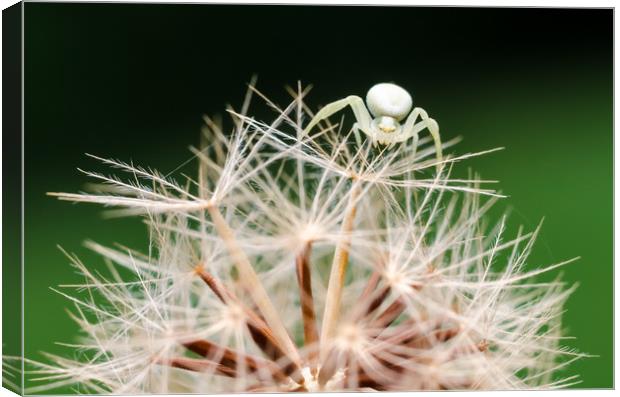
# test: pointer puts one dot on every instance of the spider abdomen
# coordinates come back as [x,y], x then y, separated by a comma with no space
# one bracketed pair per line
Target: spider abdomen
[387,99]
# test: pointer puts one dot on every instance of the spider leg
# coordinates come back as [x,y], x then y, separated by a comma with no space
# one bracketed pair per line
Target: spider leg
[357,105]
[369,131]
[412,128]
[416,138]
[356,133]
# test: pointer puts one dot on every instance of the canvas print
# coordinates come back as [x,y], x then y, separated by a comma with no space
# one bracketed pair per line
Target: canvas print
[260,198]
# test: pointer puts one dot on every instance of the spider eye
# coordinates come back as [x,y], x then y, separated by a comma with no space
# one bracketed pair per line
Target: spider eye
[386,99]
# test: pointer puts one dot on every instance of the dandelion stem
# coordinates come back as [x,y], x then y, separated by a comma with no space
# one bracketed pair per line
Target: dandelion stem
[338,270]
[253,284]
[311,334]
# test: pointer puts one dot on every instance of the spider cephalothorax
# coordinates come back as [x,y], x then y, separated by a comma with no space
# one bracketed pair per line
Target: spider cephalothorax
[388,104]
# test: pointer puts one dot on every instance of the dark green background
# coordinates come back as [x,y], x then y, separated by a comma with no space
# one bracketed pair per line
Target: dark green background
[132,81]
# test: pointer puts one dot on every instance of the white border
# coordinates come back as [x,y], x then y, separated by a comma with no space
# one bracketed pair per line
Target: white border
[480,3]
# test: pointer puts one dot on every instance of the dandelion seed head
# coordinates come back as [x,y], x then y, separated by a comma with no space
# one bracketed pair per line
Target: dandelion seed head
[310,262]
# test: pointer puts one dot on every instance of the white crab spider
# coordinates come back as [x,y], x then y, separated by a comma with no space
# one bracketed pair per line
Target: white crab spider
[389,104]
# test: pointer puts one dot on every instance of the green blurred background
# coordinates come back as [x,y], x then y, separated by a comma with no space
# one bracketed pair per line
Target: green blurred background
[132,81]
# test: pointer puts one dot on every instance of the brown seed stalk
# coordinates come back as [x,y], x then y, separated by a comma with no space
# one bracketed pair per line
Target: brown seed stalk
[311,334]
